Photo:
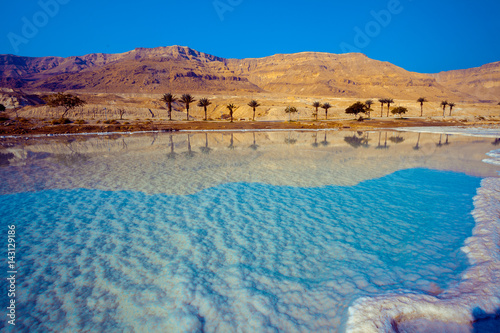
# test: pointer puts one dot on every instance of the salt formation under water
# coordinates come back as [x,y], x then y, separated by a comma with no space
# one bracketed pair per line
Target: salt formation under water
[125,235]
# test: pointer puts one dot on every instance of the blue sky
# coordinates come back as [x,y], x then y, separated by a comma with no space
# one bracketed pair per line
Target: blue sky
[419,35]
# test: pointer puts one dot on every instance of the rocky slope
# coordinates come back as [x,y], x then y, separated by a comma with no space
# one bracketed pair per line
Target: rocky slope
[480,82]
[181,69]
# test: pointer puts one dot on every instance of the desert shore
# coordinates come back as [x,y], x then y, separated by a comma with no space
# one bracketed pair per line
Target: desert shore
[27,127]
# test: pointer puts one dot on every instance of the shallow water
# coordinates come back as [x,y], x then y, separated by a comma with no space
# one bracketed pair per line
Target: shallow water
[260,233]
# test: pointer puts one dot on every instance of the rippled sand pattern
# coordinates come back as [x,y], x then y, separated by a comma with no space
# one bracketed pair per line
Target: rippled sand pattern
[247,257]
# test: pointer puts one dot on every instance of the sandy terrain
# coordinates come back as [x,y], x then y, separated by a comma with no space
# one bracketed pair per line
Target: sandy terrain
[145,112]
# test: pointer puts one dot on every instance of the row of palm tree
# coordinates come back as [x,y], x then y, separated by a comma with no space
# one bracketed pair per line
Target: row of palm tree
[187,99]
[446,103]
[383,101]
[325,106]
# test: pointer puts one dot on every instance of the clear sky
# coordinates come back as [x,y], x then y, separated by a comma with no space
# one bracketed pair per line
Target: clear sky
[426,36]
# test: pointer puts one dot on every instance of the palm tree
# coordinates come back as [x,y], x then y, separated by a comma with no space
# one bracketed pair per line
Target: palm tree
[231,107]
[204,102]
[421,100]
[368,106]
[326,106]
[316,105]
[290,110]
[169,99]
[382,102]
[389,101]
[253,104]
[443,104]
[451,105]
[187,99]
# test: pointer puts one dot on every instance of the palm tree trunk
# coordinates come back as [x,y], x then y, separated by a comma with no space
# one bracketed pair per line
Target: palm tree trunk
[381,110]
[326,114]
[421,109]
[205,112]
[253,119]
[388,107]
[187,113]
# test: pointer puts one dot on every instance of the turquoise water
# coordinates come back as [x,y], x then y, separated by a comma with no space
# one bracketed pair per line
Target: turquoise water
[102,249]
[237,256]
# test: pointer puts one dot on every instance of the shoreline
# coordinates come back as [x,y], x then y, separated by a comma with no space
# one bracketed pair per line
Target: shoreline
[34,128]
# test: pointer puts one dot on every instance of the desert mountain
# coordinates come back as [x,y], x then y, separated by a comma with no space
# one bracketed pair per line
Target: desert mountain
[181,69]
[480,82]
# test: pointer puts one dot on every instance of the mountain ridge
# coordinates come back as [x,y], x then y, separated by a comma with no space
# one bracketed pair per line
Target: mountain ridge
[180,68]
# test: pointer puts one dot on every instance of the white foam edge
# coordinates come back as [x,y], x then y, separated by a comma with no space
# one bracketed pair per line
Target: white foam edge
[478,290]
[454,130]
[166,131]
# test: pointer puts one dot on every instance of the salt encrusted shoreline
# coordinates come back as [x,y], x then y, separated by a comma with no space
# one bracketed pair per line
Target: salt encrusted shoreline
[475,297]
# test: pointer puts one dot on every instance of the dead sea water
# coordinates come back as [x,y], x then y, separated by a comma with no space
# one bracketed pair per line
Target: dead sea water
[223,232]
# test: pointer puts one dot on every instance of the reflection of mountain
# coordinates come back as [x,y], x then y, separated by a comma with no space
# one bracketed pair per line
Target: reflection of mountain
[132,162]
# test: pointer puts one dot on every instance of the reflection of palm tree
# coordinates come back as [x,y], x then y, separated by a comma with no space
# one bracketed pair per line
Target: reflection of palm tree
[439,144]
[231,145]
[325,142]
[254,146]
[189,153]
[385,146]
[416,145]
[496,142]
[315,144]
[206,149]
[289,140]
[172,153]
[366,140]
[154,138]
[446,142]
